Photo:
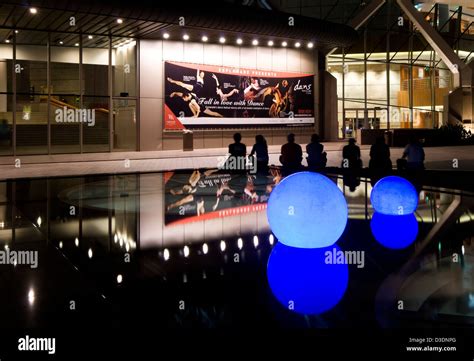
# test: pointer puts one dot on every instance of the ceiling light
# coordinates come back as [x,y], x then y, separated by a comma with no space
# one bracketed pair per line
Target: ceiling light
[297,45]
[310,45]
[284,43]
[270,43]
[7,41]
[90,37]
[119,21]
[204,38]
[222,40]
[33,10]
[255,42]
[61,42]
[76,44]
[166,36]
[185,37]
[239,41]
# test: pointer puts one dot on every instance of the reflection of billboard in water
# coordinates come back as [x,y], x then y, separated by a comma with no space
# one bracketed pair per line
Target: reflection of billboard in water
[211,194]
[197,95]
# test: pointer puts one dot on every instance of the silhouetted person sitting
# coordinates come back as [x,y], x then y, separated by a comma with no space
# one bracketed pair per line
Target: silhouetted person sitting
[238,151]
[260,149]
[414,154]
[351,155]
[380,155]
[291,155]
[317,158]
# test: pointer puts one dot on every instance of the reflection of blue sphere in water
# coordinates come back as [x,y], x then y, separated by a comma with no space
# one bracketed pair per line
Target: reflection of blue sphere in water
[394,231]
[307,210]
[303,282]
[394,195]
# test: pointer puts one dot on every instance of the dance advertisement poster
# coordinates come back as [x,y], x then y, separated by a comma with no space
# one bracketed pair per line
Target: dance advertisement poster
[208,95]
[211,193]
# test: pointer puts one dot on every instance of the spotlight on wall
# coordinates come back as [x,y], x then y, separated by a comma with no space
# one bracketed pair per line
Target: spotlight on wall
[255,42]
[270,43]
[119,21]
[284,43]
[239,41]
[297,45]
[310,45]
[90,37]
[166,36]
[33,10]
[204,38]
[185,37]
[222,40]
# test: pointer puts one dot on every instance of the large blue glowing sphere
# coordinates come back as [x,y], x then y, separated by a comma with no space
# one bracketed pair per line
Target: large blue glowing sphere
[394,195]
[303,282]
[307,210]
[394,232]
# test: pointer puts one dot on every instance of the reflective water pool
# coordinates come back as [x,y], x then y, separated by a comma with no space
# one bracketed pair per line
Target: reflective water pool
[189,249]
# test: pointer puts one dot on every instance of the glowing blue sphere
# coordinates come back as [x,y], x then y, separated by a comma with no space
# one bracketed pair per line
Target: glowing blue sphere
[307,210]
[394,232]
[303,282]
[394,195]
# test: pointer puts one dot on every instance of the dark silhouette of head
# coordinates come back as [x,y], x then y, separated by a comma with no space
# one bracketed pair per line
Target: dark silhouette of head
[413,139]
[380,140]
[237,137]
[352,141]
[291,138]
[314,138]
[260,139]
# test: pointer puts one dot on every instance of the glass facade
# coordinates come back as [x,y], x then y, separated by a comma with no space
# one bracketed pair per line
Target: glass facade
[57,91]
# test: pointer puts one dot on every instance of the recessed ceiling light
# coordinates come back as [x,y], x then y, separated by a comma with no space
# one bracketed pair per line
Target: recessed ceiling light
[7,41]
[119,21]
[297,45]
[61,42]
[270,43]
[204,38]
[239,41]
[33,10]
[284,43]
[185,37]
[255,42]
[16,31]
[222,40]
[76,44]
[90,37]
[166,36]
[310,45]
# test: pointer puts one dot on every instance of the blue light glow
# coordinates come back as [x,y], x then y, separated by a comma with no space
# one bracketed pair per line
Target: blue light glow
[307,210]
[394,196]
[394,232]
[301,280]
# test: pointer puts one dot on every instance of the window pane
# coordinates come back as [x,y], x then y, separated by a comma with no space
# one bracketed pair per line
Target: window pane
[32,98]
[65,93]
[95,58]
[6,95]
[96,131]
[125,124]
[124,54]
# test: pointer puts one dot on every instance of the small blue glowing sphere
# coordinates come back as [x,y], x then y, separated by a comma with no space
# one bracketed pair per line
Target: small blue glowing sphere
[394,232]
[394,195]
[303,281]
[307,210]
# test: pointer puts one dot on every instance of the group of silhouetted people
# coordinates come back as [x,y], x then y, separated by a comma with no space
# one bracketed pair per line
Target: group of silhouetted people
[291,156]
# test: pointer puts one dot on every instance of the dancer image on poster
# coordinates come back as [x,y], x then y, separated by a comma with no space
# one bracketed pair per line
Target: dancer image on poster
[196,108]
[252,90]
[196,88]
[219,91]
[224,186]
